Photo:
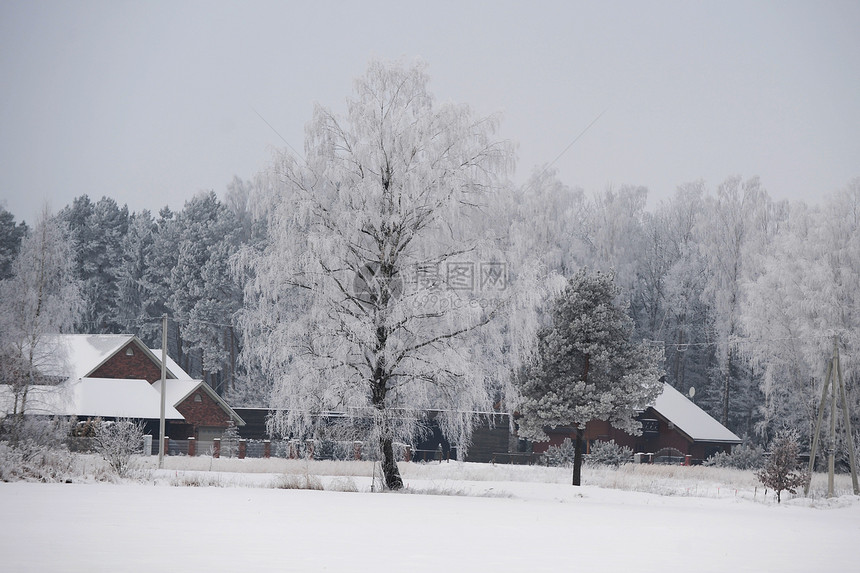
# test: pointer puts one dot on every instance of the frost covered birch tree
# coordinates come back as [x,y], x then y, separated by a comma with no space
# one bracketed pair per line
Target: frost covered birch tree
[734,232]
[805,296]
[40,300]
[367,295]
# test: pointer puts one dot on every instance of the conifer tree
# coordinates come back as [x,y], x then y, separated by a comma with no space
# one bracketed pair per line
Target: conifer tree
[781,472]
[587,366]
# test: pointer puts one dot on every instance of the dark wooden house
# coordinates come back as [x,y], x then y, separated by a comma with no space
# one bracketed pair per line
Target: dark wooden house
[672,427]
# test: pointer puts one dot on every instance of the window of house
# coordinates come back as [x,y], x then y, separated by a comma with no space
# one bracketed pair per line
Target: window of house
[197,398]
[129,351]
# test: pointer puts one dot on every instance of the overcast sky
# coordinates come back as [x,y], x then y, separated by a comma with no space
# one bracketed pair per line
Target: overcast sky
[151,102]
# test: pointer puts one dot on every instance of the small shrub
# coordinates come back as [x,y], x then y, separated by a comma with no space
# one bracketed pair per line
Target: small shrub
[39,453]
[230,441]
[345,484]
[780,472]
[560,456]
[117,442]
[35,435]
[609,454]
[743,457]
[31,464]
[292,481]
[196,480]
[334,450]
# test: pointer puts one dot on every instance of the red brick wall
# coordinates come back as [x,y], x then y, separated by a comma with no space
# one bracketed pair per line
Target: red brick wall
[138,366]
[207,412]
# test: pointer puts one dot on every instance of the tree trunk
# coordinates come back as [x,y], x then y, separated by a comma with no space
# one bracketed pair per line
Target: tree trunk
[727,390]
[390,471]
[389,465]
[577,459]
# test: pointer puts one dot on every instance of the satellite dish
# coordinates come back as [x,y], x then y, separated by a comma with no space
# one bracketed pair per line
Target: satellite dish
[692,391]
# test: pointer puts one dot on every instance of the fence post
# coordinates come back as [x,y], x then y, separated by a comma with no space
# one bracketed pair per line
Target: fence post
[243,449]
[407,454]
[216,448]
[292,449]
[192,447]
[267,449]
[166,445]
[688,459]
[310,446]
[356,449]
[147,445]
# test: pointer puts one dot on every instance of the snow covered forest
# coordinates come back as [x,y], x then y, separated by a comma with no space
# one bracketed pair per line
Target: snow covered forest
[745,294]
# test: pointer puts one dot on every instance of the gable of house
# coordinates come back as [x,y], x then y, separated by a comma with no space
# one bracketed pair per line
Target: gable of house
[199,404]
[691,420]
[108,356]
[131,360]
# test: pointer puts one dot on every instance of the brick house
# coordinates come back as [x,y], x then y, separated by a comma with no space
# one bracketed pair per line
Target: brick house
[194,408]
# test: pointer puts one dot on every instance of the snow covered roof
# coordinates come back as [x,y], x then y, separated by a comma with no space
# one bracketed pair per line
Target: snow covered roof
[91,397]
[76,355]
[691,419]
[172,366]
[79,355]
[179,389]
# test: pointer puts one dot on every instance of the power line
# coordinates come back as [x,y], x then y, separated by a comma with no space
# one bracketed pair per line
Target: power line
[287,143]
[676,345]
[737,341]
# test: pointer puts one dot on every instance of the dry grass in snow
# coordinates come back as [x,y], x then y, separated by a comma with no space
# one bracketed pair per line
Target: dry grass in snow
[473,478]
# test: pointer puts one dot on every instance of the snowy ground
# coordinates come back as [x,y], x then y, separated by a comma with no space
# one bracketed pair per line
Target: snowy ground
[469,517]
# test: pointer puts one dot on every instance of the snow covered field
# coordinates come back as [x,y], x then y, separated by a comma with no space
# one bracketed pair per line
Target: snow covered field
[469,517]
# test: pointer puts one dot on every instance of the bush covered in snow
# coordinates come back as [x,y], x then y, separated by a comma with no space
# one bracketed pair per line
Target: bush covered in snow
[782,472]
[600,454]
[743,457]
[334,450]
[38,454]
[230,441]
[117,442]
[560,456]
[293,481]
[609,454]
[32,464]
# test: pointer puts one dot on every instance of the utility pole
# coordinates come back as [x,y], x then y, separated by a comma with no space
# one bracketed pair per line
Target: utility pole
[833,382]
[163,390]
[846,421]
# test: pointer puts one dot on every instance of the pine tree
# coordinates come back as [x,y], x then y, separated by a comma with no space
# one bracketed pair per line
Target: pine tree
[156,283]
[781,472]
[230,440]
[204,296]
[137,253]
[587,367]
[98,230]
[10,241]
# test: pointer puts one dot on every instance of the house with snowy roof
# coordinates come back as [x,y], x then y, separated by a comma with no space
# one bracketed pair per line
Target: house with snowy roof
[116,376]
[673,427]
